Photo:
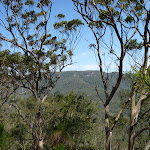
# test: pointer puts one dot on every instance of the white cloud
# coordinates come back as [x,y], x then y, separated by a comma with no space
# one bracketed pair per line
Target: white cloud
[81,67]
[85,67]
[90,67]
[83,55]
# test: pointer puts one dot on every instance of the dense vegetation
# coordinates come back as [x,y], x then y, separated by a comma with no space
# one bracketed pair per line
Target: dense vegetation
[43,108]
[73,121]
[87,82]
[69,120]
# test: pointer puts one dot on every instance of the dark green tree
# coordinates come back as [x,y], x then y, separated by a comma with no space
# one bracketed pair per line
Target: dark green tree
[4,137]
[75,121]
[69,121]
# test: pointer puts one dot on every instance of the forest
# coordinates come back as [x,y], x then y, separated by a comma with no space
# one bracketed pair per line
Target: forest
[45,107]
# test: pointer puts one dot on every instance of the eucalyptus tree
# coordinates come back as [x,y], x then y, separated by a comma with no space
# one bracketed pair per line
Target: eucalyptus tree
[69,121]
[140,87]
[32,55]
[139,116]
[115,26]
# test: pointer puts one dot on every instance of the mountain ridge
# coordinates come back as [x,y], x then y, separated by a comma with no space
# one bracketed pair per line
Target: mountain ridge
[86,82]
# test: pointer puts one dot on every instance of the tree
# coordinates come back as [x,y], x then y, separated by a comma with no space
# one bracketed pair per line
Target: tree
[121,21]
[141,94]
[38,53]
[140,88]
[74,121]
[69,119]
[4,137]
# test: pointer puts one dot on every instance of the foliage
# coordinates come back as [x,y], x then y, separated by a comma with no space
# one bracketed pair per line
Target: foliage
[69,121]
[122,21]
[133,44]
[40,53]
[35,54]
[75,118]
[60,123]
[4,137]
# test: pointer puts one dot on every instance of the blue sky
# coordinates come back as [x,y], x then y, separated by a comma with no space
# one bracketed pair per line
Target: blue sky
[84,58]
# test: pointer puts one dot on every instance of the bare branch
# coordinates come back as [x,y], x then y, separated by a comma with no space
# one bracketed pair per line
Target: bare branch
[20,114]
[7,97]
[137,134]
[99,95]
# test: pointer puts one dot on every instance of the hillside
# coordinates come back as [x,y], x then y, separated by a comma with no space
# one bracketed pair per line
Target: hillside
[86,81]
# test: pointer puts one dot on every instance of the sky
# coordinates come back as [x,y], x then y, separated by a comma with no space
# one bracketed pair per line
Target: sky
[85,58]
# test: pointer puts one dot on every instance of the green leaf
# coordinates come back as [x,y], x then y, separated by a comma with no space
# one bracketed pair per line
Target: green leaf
[29,2]
[129,19]
[133,45]
[61,16]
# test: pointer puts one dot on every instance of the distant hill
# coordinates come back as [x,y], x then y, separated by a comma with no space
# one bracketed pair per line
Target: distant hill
[86,81]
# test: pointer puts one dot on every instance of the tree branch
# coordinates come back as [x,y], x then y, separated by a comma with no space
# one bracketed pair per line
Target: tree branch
[144,129]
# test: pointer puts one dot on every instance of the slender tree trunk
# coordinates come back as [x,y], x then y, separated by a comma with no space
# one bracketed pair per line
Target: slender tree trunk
[107,129]
[34,137]
[147,146]
[131,135]
[40,142]
[37,131]
[131,129]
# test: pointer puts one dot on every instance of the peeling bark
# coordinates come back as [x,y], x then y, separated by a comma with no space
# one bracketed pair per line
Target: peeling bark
[107,129]
[147,146]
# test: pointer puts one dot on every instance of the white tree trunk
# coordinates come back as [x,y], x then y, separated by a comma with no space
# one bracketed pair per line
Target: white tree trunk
[147,146]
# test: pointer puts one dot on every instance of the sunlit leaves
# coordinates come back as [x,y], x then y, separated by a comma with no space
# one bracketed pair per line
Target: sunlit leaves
[64,58]
[70,53]
[133,45]
[29,37]
[31,43]
[73,24]
[61,16]
[97,24]
[138,7]
[6,58]
[42,12]
[102,2]
[28,14]
[141,1]
[53,59]
[4,137]
[92,46]
[139,14]
[29,2]
[70,25]
[58,25]
[129,19]
[143,77]
[43,3]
